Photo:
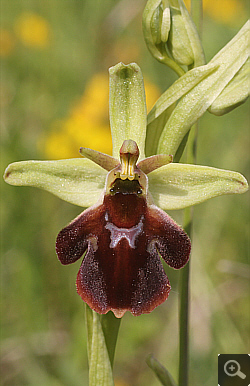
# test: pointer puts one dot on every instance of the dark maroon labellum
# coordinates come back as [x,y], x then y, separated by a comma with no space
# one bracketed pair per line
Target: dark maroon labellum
[123,238]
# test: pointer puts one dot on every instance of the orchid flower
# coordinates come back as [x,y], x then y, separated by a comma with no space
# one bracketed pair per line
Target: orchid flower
[124,232]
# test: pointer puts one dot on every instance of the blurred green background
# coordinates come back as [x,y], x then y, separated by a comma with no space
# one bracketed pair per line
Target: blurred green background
[54,75]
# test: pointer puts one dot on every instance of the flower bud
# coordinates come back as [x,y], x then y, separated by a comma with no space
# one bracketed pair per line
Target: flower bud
[160,23]
[178,43]
[151,22]
[171,35]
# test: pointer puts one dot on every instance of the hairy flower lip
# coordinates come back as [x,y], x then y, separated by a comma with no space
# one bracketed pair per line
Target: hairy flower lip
[123,236]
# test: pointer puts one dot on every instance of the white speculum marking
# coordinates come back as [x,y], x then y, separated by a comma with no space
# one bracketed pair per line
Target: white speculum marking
[130,234]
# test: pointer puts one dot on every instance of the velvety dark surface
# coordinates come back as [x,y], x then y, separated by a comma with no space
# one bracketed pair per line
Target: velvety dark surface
[123,237]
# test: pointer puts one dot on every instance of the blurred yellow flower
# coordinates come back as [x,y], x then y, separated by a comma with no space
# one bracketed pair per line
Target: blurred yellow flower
[121,382]
[225,11]
[229,12]
[32,29]
[88,121]
[7,42]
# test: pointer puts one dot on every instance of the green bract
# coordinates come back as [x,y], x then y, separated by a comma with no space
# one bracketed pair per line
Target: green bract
[184,43]
[235,93]
[172,186]
[225,72]
[164,107]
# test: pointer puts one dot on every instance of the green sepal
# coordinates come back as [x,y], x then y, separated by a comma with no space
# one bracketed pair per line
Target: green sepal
[184,43]
[165,21]
[193,105]
[177,186]
[160,371]
[100,369]
[150,21]
[78,181]
[127,106]
[156,24]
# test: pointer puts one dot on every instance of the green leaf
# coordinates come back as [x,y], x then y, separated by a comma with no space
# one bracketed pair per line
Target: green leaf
[100,370]
[234,94]
[160,371]
[176,186]
[161,111]
[127,106]
[179,88]
[193,105]
[78,181]
[154,130]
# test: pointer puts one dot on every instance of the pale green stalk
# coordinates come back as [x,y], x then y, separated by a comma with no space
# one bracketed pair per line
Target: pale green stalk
[102,332]
[184,289]
[172,64]
[196,11]
[197,14]
[184,310]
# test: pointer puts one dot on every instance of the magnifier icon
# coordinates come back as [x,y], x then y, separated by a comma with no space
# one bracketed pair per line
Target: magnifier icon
[232,368]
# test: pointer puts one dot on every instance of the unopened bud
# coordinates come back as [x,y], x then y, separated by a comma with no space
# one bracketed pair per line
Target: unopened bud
[171,35]
[178,43]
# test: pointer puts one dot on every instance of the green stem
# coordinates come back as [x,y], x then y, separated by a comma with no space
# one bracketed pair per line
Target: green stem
[184,311]
[185,274]
[196,12]
[172,64]
[102,332]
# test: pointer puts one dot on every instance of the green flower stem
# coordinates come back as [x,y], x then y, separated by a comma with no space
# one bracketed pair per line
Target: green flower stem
[102,332]
[172,64]
[197,14]
[196,11]
[184,311]
[184,275]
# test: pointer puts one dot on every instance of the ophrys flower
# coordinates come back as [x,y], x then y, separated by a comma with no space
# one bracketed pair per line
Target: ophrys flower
[124,235]
[123,231]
